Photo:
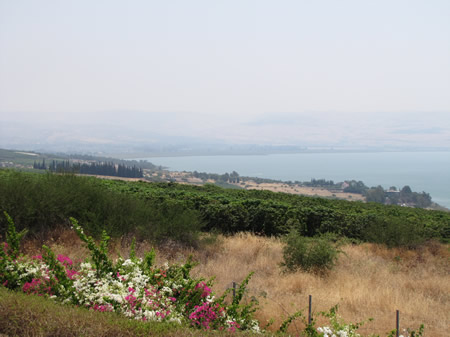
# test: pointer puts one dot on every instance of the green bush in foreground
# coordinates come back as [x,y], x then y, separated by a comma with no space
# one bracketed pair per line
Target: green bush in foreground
[316,254]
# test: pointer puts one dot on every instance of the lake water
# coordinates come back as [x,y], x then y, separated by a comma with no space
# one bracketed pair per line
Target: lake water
[422,171]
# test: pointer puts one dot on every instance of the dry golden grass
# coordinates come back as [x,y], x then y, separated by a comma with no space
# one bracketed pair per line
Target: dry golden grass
[302,190]
[368,281]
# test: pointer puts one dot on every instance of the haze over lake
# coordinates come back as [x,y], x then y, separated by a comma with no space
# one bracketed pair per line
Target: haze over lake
[422,171]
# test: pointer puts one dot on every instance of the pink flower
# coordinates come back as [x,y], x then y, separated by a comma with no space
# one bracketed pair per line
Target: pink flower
[36,286]
[32,286]
[71,273]
[206,291]
[65,260]
[233,326]
[102,308]
[204,315]
[120,277]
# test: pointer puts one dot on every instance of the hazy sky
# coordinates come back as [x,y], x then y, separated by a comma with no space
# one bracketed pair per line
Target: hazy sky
[332,72]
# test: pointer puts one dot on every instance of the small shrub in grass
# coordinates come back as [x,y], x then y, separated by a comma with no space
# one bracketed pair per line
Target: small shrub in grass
[316,254]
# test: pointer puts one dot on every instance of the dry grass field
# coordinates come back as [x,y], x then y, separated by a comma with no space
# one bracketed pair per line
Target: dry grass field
[303,190]
[368,281]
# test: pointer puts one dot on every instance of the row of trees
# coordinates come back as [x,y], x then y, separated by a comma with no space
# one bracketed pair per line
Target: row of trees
[40,165]
[97,168]
[403,197]
[320,183]
[232,177]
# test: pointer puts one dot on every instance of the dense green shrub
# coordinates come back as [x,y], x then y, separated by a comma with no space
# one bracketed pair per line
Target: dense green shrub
[316,254]
[175,222]
[42,202]
[395,233]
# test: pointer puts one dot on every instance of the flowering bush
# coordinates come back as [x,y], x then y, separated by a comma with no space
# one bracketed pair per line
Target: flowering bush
[134,287]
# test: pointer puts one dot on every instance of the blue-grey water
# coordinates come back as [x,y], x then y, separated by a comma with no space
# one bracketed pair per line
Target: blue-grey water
[422,171]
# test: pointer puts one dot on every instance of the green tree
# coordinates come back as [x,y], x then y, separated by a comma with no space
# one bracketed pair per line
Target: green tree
[376,194]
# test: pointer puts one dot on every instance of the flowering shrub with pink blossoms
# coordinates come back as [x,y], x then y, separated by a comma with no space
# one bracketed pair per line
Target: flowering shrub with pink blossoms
[134,287]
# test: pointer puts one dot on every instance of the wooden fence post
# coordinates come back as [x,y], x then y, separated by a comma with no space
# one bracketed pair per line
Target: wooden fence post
[309,310]
[234,290]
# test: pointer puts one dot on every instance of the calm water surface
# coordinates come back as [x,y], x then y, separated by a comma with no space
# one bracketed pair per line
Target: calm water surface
[422,171]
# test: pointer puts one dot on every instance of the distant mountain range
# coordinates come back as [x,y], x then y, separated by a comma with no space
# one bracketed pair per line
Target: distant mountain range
[140,134]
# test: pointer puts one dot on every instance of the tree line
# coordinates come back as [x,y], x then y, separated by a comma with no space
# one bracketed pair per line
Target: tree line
[232,177]
[96,168]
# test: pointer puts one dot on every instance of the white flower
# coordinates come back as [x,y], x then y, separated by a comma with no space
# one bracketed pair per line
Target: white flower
[166,290]
[150,315]
[85,265]
[255,326]
[127,263]
[175,319]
